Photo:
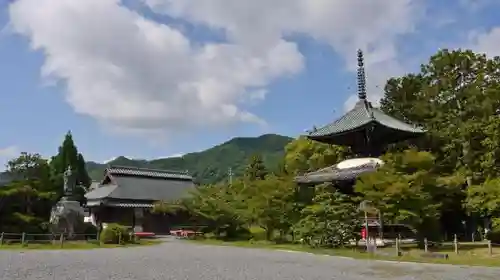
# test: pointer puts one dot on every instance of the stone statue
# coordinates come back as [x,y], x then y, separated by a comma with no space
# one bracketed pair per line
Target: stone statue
[67,215]
[68,182]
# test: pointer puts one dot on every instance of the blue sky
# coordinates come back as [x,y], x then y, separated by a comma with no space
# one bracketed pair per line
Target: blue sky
[146,78]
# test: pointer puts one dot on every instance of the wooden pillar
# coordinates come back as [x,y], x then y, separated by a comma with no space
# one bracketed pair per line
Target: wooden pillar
[138,219]
[381,225]
[133,219]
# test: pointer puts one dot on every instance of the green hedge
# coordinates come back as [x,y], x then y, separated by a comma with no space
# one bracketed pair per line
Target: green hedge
[116,234]
[494,235]
[90,231]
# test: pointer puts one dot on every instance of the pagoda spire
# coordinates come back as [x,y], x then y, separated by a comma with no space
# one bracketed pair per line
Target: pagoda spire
[361,77]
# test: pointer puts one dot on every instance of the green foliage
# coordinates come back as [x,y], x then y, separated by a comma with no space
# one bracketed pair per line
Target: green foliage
[115,234]
[331,221]
[456,98]
[304,155]
[485,198]
[211,166]
[26,201]
[432,183]
[90,230]
[272,204]
[229,209]
[255,170]
[68,155]
[404,189]
[222,206]
[165,207]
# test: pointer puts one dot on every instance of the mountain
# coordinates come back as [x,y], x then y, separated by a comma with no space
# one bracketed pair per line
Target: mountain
[212,165]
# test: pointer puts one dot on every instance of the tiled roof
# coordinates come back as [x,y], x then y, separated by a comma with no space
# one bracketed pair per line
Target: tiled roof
[131,205]
[394,123]
[362,114]
[355,118]
[102,191]
[140,185]
[362,117]
[146,172]
[332,173]
[94,185]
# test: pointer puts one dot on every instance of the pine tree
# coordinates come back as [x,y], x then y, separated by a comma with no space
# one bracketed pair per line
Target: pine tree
[68,155]
[256,169]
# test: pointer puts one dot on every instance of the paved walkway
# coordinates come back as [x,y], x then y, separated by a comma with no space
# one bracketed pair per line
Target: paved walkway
[187,261]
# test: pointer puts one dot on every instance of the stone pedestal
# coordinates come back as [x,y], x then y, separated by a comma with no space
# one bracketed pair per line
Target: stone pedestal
[67,217]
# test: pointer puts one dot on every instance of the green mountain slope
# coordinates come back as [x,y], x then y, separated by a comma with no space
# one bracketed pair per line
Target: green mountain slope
[211,165]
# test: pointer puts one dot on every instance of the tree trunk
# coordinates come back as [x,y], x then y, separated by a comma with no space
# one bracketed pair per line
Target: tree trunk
[269,233]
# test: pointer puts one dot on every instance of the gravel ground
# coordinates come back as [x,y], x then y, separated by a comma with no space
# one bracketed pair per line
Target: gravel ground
[184,261]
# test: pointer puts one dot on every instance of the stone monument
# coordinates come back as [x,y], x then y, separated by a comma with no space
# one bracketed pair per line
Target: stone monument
[67,215]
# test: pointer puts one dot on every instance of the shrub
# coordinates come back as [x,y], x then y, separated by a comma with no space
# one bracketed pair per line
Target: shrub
[90,231]
[494,235]
[115,234]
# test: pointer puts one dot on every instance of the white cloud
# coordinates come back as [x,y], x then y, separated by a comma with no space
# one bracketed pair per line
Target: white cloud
[6,154]
[487,42]
[143,76]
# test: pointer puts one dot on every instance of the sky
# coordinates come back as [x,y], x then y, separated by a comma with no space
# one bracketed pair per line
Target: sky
[157,78]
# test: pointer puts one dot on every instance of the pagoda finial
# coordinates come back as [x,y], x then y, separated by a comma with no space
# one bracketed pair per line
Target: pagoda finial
[361,77]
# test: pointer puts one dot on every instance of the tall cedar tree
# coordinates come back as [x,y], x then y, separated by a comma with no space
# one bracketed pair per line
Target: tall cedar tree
[68,155]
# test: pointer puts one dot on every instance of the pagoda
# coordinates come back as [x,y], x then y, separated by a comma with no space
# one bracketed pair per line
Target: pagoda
[366,130]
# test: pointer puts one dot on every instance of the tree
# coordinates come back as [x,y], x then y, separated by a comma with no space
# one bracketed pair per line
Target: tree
[406,191]
[221,206]
[256,170]
[485,198]
[455,97]
[68,155]
[25,203]
[331,221]
[304,155]
[425,182]
[454,92]
[272,204]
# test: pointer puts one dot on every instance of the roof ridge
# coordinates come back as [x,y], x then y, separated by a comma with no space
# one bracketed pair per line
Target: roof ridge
[177,172]
[367,107]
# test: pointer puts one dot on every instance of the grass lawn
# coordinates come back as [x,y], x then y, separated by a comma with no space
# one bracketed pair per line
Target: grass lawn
[475,254]
[74,245]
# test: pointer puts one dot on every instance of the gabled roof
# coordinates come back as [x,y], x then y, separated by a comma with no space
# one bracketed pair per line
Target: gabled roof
[364,121]
[122,184]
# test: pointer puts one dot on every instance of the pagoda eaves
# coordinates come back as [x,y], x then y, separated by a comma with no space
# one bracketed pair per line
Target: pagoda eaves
[364,125]
[367,130]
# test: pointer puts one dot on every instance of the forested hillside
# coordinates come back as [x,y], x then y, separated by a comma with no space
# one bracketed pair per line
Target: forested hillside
[212,165]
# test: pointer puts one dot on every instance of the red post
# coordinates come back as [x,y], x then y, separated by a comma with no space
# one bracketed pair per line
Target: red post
[363,233]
